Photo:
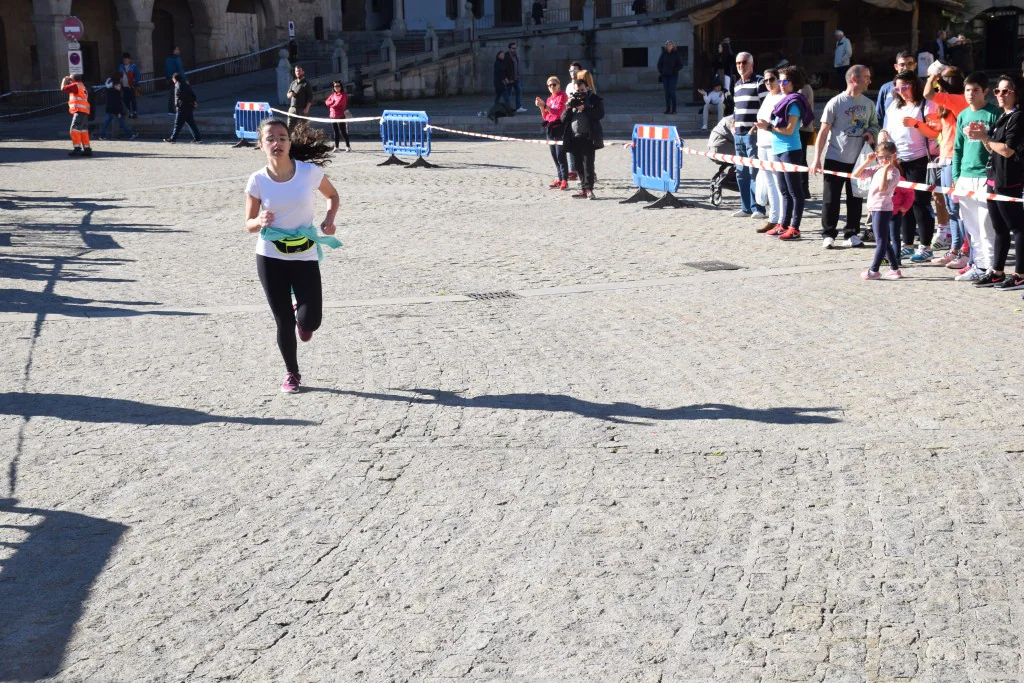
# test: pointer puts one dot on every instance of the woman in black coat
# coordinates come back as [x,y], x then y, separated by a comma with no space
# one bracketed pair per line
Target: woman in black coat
[503,72]
[583,134]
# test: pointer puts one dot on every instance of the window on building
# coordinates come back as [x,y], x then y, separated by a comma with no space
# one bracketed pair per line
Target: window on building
[242,6]
[634,57]
[451,8]
[812,38]
[684,54]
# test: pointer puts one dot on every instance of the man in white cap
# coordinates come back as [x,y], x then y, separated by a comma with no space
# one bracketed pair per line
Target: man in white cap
[844,53]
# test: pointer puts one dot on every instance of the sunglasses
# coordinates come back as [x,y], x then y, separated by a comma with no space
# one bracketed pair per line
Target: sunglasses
[552,85]
[903,88]
[771,79]
[785,82]
[884,157]
[999,92]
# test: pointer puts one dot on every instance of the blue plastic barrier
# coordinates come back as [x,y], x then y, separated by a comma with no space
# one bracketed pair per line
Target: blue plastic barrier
[405,133]
[248,116]
[657,164]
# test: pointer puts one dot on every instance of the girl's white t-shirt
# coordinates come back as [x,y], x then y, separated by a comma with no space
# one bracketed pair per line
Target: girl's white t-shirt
[910,143]
[293,203]
[765,138]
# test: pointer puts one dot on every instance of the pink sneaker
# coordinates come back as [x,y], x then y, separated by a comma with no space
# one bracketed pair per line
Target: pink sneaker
[963,270]
[958,263]
[291,382]
[303,335]
[870,275]
[892,275]
[948,257]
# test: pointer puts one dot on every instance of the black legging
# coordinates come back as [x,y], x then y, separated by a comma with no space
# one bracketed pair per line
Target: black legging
[920,220]
[1008,217]
[791,191]
[585,154]
[279,278]
[341,131]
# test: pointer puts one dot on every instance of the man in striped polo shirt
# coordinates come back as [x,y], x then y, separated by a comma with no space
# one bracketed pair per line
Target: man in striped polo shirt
[748,93]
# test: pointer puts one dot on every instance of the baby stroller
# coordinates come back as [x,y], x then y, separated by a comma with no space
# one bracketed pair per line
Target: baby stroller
[721,142]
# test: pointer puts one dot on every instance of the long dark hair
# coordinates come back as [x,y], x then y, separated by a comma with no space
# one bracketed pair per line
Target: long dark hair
[916,88]
[308,144]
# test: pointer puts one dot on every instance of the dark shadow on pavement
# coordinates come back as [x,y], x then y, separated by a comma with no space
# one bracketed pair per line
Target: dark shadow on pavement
[72,268]
[120,411]
[23,155]
[23,301]
[45,583]
[612,412]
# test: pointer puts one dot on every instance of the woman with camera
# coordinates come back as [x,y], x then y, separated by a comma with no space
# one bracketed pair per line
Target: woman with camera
[551,113]
[583,135]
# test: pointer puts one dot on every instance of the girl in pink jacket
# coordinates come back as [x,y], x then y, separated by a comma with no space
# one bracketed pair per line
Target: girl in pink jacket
[337,103]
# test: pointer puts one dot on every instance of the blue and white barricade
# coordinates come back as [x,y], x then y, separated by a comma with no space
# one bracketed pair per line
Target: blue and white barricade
[248,116]
[657,164]
[405,133]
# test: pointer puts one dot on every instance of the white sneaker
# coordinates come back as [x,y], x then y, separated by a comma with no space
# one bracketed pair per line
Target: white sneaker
[703,127]
[741,214]
[828,243]
[521,110]
[971,275]
[759,215]
[852,241]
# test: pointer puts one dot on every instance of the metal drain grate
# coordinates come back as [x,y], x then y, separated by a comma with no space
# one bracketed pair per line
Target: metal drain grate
[490,296]
[712,265]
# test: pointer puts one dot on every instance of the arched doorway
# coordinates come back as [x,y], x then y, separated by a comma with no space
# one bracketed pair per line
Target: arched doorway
[1002,28]
[101,49]
[173,26]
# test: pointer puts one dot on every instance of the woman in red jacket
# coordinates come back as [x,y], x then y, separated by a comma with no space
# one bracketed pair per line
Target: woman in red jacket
[551,113]
[337,102]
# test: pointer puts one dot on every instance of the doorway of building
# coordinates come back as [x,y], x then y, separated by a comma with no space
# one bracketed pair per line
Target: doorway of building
[353,15]
[1002,31]
[172,27]
[508,13]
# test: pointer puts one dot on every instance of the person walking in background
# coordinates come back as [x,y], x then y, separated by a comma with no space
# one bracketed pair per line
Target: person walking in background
[517,83]
[551,114]
[115,108]
[843,55]
[940,46]
[848,123]
[173,65]
[78,105]
[669,66]
[300,92]
[715,98]
[502,78]
[130,77]
[337,104]
[537,12]
[185,104]
[750,91]
[583,133]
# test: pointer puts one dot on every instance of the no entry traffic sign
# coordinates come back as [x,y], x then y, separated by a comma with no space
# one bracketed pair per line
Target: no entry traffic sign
[73,29]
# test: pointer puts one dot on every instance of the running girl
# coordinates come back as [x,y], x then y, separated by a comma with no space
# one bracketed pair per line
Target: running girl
[884,178]
[280,205]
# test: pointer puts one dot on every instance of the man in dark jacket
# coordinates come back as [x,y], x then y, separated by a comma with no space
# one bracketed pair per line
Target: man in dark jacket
[184,105]
[669,65]
[300,92]
[115,110]
[584,134]
[504,76]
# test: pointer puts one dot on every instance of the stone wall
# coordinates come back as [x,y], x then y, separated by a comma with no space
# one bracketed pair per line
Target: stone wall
[451,76]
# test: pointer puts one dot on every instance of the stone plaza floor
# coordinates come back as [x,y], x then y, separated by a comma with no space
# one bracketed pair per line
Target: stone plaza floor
[614,465]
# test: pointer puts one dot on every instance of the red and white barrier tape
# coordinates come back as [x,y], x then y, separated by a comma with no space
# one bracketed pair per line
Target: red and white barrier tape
[795,168]
[501,138]
[361,119]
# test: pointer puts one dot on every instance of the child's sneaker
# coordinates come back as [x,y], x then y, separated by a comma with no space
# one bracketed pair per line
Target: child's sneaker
[870,275]
[947,258]
[893,275]
[922,255]
[959,263]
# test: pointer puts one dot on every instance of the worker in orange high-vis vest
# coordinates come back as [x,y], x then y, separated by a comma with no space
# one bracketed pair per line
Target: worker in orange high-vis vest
[78,105]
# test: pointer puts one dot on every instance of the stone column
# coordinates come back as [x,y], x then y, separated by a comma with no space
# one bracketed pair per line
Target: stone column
[465,18]
[589,16]
[398,27]
[52,48]
[137,38]
[388,53]
[284,77]
[339,60]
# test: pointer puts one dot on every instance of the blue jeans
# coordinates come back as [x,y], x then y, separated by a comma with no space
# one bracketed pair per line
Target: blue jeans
[518,87]
[558,154]
[746,146]
[880,224]
[956,226]
[669,84]
[120,119]
[895,233]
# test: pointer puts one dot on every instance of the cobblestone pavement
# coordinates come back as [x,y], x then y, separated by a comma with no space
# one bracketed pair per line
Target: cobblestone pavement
[631,471]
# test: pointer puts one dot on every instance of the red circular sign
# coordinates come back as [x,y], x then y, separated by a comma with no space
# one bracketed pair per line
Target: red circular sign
[73,29]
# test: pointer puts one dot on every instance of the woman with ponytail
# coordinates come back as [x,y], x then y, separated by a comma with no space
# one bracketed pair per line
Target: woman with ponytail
[280,206]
